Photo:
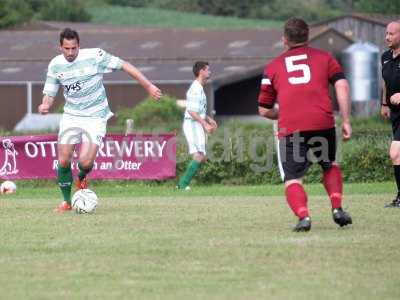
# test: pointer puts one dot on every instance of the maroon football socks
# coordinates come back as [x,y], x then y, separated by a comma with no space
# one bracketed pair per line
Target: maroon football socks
[297,200]
[333,184]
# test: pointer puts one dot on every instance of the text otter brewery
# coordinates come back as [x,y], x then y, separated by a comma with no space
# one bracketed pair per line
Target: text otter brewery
[133,156]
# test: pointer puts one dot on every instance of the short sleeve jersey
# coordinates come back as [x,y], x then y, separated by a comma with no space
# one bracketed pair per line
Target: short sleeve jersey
[298,80]
[391,76]
[196,100]
[82,80]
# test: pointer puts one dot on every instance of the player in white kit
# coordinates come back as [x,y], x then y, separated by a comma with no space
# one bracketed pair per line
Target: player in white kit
[86,111]
[196,124]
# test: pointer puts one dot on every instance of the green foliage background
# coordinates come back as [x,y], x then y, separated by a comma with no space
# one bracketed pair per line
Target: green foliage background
[244,153]
[64,10]
[311,10]
[14,12]
[150,115]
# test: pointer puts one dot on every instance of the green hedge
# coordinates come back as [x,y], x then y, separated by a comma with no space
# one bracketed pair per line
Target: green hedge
[151,115]
[243,153]
[363,159]
[15,12]
[64,10]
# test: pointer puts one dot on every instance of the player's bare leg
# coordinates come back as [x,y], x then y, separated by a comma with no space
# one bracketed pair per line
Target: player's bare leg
[87,157]
[64,175]
[395,157]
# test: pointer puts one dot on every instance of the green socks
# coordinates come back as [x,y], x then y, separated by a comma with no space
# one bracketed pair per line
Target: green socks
[191,170]
[65,182]
[83,172]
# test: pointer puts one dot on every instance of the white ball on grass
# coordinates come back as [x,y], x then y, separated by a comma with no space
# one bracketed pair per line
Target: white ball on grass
[84,201]
[8,187]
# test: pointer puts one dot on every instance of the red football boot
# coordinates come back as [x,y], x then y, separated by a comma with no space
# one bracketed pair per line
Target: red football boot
[81,184]
[63,207]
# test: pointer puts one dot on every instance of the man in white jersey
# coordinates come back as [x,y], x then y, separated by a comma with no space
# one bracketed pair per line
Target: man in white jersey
[196,124]
[86,111]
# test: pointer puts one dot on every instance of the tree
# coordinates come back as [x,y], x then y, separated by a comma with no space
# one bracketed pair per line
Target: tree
[14,12]
[390,7]
[64,10]
[310,10]
[237,8]
[133,3]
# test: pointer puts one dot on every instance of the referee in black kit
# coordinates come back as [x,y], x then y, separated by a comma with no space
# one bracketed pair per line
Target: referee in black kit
[390,105]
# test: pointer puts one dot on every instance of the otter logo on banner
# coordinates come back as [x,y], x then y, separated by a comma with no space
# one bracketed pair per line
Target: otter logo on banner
[9,166]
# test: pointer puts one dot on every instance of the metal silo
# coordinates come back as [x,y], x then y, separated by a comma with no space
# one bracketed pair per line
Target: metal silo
[360,63]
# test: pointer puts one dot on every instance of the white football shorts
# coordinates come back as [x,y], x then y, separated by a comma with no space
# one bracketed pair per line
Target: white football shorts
[75,130]
[195,136]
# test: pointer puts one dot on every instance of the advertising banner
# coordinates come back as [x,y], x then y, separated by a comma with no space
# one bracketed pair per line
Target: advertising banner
[132,156]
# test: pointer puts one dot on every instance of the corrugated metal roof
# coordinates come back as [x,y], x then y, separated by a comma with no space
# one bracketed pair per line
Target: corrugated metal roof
[159,71]
[146,44]
[160,53]
[317,31]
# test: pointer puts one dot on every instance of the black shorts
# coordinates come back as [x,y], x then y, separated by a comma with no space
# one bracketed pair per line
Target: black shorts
[395,120]
[295,152]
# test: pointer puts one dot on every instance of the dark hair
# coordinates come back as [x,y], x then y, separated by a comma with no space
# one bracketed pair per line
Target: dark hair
[69,34]
[296,31]
[199,65]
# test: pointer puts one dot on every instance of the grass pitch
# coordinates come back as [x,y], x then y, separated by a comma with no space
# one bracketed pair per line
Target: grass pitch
[151,242]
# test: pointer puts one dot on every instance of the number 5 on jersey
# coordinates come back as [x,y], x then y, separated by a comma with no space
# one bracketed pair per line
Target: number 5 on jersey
[292,66]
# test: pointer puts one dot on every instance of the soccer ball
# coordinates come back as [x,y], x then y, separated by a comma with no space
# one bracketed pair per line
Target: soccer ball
[8,187]
[84,201]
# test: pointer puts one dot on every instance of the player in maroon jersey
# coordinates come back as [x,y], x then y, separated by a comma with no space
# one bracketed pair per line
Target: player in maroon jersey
[298,81]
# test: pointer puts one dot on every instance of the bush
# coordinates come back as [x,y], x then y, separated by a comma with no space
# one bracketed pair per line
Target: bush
[14,12]
[236,8]
[245,153]
[162,116]
[64,10]
[237,154]
[133,3]
[246,159]
[367,159]
[381,7]
[308,10]
[178,5]
[311,10]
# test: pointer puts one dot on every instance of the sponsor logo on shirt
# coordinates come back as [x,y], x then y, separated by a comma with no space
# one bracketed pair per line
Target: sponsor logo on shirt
[75,87]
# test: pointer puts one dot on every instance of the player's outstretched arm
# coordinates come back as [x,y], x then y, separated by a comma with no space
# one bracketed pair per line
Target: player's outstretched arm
[47,102]
[343,97]
[132,71]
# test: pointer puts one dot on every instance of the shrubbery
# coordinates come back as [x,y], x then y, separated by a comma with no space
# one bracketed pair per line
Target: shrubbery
[311,10]
[150,115]
[243,153]
[64,10]
[363,159]
[14,12]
